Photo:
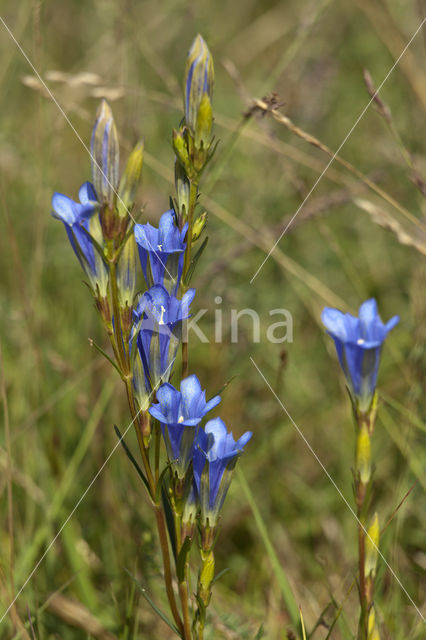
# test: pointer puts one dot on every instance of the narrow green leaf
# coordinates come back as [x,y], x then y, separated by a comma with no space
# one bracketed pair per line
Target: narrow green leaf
[169,520]
[160,483]
[281,577]
[105,355]
[153,605]
[131,457]
[181,560]
[194,262]
[260,633]
[220,574]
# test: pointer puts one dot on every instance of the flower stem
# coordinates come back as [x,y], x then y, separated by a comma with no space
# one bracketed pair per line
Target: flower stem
[162,533]
[183,592]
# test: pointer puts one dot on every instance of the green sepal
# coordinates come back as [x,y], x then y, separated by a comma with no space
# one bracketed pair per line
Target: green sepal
[181,559]
[194,262]
[131,458]
[158,611]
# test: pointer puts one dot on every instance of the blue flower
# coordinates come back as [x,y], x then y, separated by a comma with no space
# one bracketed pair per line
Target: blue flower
[358,343]
[179,413]
[158,320]
[76,215]
[214,460]
[161,252]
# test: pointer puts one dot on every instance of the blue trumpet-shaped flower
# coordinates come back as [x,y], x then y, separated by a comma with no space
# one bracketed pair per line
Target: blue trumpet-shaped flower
[214,460]
[158,320]
[358,343]
[179,413]
[161,252]
[77,217]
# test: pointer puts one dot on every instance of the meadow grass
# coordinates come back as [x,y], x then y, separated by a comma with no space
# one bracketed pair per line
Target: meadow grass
[284,526]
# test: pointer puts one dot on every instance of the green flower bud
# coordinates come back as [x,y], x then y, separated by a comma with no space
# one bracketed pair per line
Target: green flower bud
[126,273]
[371,547]
[105,156]
[180,148]
[130,181]
[198,226]
[182,190]
[363,454]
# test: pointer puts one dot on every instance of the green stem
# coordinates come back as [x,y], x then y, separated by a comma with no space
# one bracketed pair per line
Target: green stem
[193,191]
[183,592]
[162,533]
[123,361]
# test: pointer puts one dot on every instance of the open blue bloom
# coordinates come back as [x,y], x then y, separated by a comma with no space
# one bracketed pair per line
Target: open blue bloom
[158,320]
[214,460]
[76,215]
[161,252]
[180,412]
[358,343]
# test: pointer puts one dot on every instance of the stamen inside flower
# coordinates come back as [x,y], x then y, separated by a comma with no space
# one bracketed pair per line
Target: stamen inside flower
[160,247]
[163,311]
[360,341]
[181,419]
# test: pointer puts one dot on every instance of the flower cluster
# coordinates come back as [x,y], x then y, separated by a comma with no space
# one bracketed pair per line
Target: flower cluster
[147,330]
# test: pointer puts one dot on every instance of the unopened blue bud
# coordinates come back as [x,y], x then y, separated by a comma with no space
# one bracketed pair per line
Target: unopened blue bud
[199,81]
[105,156]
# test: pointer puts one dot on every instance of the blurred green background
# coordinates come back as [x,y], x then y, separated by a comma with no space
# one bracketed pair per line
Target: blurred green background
[60,399]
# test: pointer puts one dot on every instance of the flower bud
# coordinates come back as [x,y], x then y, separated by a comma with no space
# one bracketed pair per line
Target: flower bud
[363,454]
[105,155]
[199,80]
[373,632]
[130,181]
[198,226]
[182,190]
[371,547]
[126,273]
[181,149]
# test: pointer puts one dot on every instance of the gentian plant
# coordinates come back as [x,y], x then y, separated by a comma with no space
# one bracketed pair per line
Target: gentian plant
[146,330]
[359,341]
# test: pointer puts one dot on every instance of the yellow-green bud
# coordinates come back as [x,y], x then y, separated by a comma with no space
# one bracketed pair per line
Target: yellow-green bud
[180,148]
[363,454]
[373,632]
[130,180]
[371,547]
[198,226]
[126,272]
[105,155]
[182,190]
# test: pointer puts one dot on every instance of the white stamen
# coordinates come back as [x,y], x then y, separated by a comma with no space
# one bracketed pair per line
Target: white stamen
[360,341]
[180,419]
[160,247]
[163,311]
